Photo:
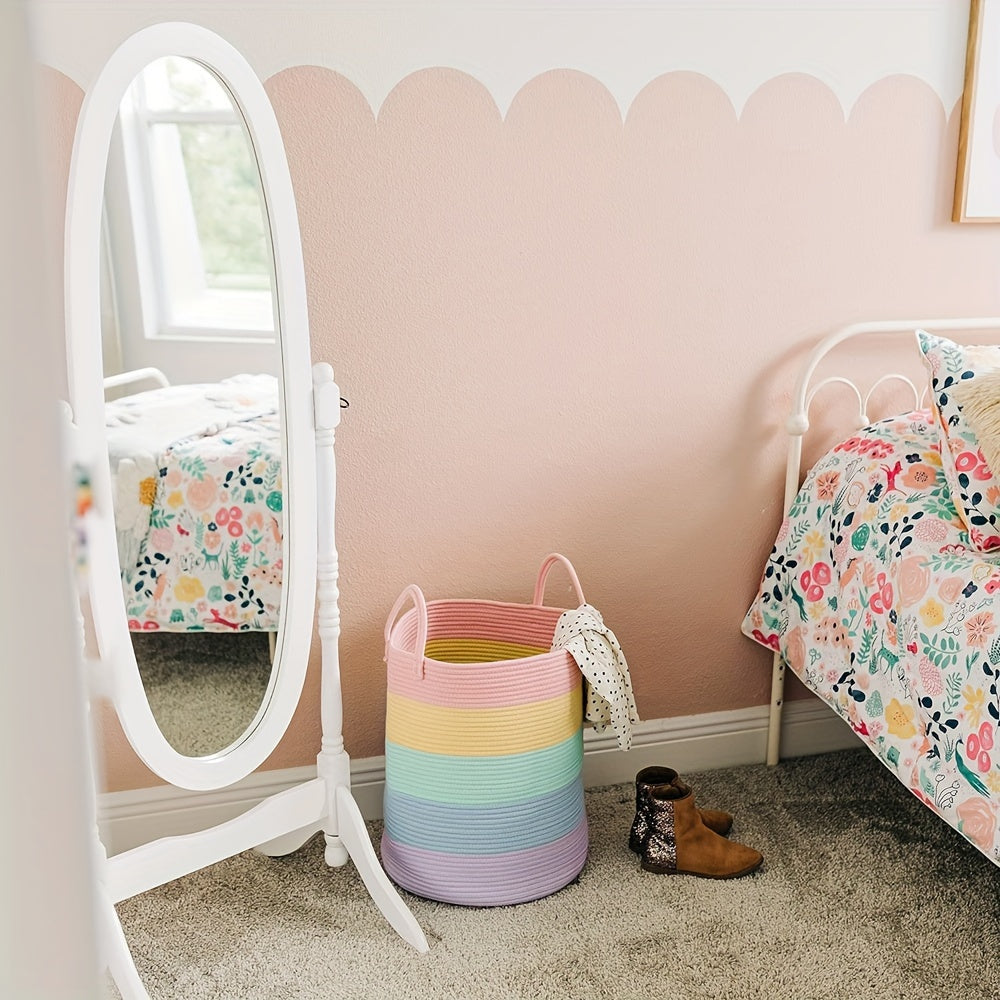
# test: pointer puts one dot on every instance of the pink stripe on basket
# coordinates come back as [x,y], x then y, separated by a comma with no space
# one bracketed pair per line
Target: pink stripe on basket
[533,626]
[493,684]
[493,880]
[499,684]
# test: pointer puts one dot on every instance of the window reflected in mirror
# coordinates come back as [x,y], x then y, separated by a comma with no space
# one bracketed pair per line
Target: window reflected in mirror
[195,201]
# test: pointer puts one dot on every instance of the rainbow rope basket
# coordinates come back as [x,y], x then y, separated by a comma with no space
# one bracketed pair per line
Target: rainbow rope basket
[483,750]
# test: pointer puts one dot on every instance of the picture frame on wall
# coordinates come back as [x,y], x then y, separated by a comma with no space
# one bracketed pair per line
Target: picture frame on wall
[977,179]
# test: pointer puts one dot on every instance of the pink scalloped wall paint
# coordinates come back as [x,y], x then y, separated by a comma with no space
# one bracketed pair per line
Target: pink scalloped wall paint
[562,331]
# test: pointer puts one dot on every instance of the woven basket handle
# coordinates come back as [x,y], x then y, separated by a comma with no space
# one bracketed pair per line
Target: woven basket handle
[543,572]
[413,593]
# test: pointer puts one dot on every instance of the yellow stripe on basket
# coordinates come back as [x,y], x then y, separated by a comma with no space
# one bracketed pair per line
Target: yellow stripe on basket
[458,650]
[482,732]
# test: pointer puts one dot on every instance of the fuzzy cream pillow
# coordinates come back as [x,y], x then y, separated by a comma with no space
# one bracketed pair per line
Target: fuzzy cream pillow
[965,396]
[979,399]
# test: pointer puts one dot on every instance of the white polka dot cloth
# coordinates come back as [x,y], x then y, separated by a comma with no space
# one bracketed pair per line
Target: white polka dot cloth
[583,634]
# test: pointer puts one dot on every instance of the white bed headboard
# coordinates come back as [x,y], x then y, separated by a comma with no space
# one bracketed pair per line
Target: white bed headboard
[135,376]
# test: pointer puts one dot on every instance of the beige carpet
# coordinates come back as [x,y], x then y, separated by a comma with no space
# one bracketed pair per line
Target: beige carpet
[863,894]
[204,688]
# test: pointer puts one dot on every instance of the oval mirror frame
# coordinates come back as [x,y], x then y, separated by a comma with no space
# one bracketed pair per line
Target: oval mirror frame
[85,373]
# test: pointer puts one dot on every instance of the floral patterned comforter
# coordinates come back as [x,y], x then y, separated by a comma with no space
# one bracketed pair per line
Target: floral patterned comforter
[875,599]
[196,475]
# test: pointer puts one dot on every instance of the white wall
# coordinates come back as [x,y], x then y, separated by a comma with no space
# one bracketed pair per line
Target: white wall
[504,43]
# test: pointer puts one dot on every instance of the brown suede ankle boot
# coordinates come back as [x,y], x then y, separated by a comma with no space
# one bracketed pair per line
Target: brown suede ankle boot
[715,819]
[679,843]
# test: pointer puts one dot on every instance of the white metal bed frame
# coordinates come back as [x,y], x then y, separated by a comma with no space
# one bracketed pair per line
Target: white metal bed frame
[798,423]
[136,375]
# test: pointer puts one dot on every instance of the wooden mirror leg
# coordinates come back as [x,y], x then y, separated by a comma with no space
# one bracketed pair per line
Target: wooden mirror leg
[335,854]
[115,951]
[354,834]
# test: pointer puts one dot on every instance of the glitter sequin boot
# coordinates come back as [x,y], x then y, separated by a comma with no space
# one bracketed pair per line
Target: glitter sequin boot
[679,843]
[715,819]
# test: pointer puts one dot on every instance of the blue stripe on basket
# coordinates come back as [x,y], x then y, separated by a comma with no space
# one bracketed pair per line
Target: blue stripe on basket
[482,830]
[482,781]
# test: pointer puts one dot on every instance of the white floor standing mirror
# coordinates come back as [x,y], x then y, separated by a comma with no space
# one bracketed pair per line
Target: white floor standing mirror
[170,339]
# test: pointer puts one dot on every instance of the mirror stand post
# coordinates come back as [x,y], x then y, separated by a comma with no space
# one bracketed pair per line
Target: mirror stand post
[344,829]
[342,823]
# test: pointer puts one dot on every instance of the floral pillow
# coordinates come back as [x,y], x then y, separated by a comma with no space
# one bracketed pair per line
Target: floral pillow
[975,489]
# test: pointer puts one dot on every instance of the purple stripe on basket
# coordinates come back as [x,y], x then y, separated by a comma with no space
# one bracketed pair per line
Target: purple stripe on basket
[494,880]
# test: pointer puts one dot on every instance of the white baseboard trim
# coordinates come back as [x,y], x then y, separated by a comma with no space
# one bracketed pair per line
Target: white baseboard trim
[690,743]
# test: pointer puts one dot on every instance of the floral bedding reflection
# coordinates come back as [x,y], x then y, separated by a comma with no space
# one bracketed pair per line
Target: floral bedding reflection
[197,484]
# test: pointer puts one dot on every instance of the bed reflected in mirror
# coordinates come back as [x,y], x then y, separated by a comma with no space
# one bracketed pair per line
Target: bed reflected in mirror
[192,410]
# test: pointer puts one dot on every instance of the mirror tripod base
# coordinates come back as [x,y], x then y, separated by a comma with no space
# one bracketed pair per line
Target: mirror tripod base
[284,821]
[289,843]
[306,807]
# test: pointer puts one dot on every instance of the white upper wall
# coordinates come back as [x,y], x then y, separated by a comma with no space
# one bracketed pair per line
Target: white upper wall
[504,43]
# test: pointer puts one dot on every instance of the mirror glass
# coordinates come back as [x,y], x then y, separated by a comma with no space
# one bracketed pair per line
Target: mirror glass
[192,364]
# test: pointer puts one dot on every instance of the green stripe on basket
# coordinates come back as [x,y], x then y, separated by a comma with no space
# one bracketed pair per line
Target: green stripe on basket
[483,780]
[458,650]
